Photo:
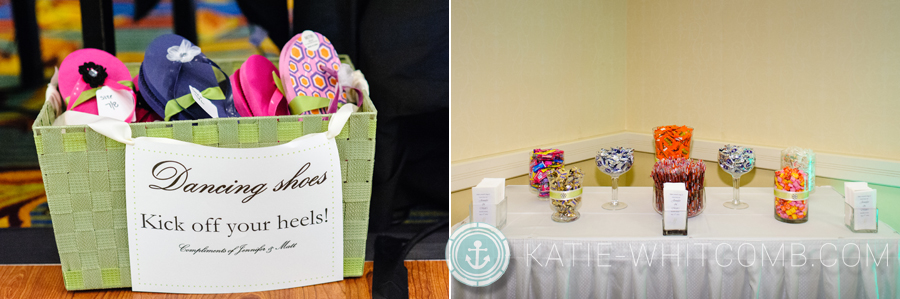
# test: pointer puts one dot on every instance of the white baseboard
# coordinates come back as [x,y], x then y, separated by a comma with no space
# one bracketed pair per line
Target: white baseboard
[469,173]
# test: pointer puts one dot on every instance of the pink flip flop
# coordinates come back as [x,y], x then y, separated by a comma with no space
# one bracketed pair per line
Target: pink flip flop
[240,103]
[85,71]
[255,89]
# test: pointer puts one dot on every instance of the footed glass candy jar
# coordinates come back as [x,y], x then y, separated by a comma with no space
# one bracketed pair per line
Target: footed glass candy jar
[565,194]
[615,162]
[736,161]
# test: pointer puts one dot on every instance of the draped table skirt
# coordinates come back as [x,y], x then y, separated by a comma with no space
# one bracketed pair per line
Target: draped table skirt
[727,253]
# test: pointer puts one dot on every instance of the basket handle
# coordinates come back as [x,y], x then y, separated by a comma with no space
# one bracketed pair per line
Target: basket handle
[338,120]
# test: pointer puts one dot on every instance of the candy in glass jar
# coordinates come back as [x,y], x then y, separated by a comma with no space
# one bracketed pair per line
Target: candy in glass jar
[565,194]
[543,161]
[672,142]
[793,184]
[680,170]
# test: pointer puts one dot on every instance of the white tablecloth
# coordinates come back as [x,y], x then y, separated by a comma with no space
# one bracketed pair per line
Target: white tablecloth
[727,253]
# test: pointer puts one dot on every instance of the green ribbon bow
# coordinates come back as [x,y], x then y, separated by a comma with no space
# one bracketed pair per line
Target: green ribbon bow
[90,93]
[178,104]
[565,194]
[791,195]
[300,104]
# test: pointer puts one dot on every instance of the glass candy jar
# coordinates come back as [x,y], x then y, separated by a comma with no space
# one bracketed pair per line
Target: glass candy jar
[793,183]
[672,142]
[543,161]
[679,170]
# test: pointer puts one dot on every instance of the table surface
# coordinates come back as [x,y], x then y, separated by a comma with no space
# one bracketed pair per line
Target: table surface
[529,217]
[427,279]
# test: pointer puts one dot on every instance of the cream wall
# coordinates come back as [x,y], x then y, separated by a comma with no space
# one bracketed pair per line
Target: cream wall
[532,73]
[753,72]
[822,74]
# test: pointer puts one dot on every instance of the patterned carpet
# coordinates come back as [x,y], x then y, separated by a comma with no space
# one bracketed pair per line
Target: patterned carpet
[23,202]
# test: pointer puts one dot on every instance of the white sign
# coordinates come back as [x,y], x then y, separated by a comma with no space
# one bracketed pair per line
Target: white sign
[219,220]
[862,203]
[485,197]
[675,198]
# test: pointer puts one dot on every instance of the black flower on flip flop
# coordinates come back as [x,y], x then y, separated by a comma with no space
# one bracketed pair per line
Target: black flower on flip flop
[92,74]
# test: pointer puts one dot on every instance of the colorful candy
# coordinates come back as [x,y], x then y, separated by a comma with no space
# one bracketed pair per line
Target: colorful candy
[793,183]
[672,142]
[736,160]
[680,170]
[615,161]
[803,159]
[542,162]
[789,209]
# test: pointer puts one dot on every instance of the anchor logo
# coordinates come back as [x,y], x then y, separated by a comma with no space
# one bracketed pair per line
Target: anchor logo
[488,266]
[478,251]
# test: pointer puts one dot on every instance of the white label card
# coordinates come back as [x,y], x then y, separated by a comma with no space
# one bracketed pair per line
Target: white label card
[220,220]
[115,104]
[675,205]
[481,196]
[864,219]
[864,199]
[310,40]
[204,102]
[675,200]
[486,213]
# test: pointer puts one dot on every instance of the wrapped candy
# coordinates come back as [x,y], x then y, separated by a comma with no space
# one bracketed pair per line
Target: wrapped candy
[672,142]
[616,160]
[562,180]
[736,159]
[543,161]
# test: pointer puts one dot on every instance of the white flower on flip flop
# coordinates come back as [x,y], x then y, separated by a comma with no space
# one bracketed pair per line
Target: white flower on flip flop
[183,53]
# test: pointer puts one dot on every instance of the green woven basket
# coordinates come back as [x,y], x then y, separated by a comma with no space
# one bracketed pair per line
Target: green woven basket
[84,175]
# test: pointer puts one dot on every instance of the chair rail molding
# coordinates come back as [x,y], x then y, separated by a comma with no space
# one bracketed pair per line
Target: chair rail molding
[468,173]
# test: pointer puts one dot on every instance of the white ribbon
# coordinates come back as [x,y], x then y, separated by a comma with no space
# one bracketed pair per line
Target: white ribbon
[338,119]
[114,129]
[347,77]
[52,94]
